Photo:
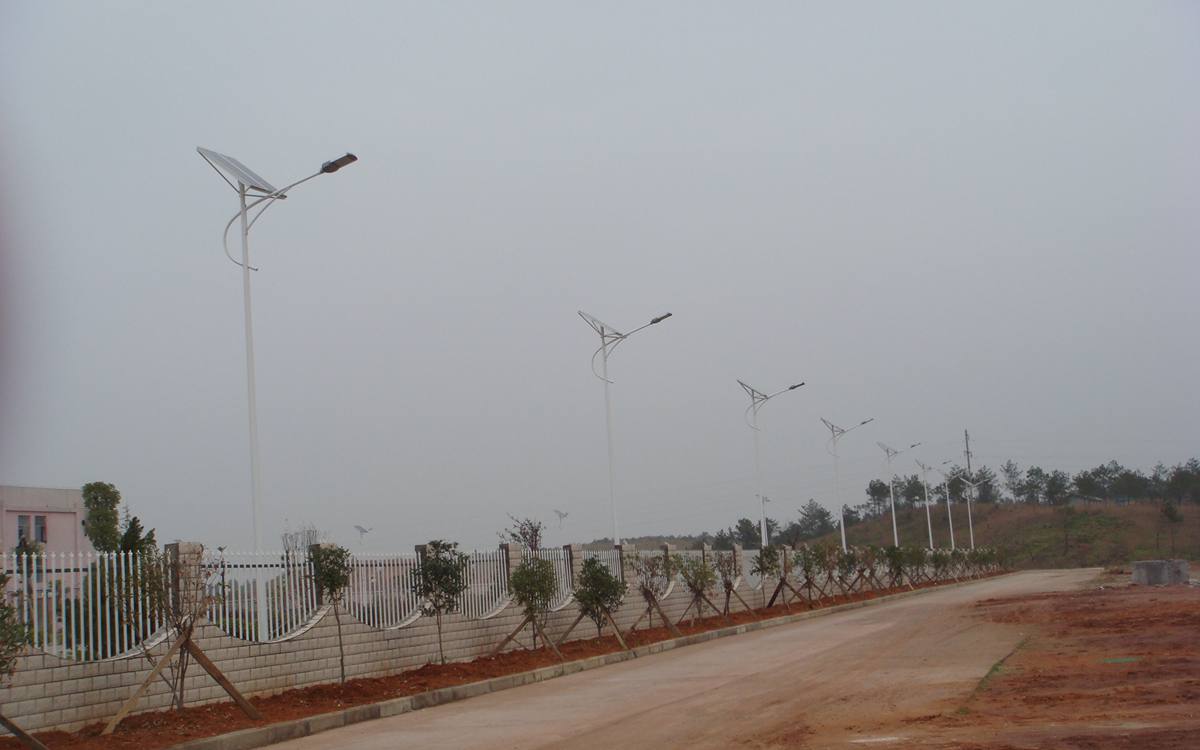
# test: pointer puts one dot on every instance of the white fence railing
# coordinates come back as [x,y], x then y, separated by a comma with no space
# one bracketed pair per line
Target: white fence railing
[288,600]
[381,590]
[85,606]
[562,576]
[93,606]
[487,584]
[610,557]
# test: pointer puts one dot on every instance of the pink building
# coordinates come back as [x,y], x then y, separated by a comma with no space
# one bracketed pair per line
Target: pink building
[50,517]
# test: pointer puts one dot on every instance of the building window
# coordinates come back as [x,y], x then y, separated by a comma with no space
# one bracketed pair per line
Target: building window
[22,529]
[39,529]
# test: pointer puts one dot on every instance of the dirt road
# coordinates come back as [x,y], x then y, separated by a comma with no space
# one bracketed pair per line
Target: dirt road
[823,683]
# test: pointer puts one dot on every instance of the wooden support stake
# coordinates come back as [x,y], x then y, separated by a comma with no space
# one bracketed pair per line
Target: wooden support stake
[537,626]
[203,660]
[667,620]
[744,604]
[774,595]
[779,590]
[686,610]
[794,591]
[715,610]
[617,631]
[25,738]
[510,636]
[130,702]
[563,637]
[638,621]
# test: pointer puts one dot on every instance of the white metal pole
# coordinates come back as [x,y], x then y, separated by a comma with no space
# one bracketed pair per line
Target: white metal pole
[252,404]
[251,396]
[949,517]
[837,490]
[928,517]
[762,525]
[970,522]
[612,493]
[892,495]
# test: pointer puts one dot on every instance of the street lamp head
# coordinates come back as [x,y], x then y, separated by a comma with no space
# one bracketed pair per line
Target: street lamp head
[914,445]
[659,319]
[330,167]
[794,387]
[865,421]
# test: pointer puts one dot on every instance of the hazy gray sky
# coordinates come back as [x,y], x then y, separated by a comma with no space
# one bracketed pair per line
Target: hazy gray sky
[942,215]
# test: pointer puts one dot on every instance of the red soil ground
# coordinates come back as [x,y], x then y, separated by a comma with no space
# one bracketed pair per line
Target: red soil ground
[162,729]
[1102,669]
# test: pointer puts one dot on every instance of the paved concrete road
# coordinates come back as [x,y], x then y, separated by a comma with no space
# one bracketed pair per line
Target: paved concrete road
[819,683]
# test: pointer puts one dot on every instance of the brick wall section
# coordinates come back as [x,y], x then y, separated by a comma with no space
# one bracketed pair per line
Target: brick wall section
[48,692]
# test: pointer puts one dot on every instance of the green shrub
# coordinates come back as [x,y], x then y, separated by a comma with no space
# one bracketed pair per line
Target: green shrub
[533,585]
[698,575]
[598,592]
[440,582]
[13,634]
[332,566]
[766,563]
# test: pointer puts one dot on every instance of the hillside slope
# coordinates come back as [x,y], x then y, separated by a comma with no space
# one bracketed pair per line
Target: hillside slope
[1047,537]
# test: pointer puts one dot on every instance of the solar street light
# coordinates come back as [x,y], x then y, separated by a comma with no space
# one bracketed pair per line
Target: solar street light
[254,192]
[835,434]
[757,399]
[610,338]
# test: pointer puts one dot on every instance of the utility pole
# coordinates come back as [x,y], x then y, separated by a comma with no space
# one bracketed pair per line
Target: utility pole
[967,451]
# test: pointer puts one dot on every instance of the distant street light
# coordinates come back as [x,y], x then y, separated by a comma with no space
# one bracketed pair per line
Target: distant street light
[949,517]
[892,453]
[609,339]
[925,482]
[835,434]
[252,187]
[757,399]
[973,494]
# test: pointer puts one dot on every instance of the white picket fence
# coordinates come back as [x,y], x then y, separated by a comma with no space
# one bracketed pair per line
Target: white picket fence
[93,606]
[234,579]
[610,557]
[562,575]
[84,606]
[381,590]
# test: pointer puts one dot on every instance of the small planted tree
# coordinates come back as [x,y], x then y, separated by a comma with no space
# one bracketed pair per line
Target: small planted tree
[14,636]
[727,568]
[332,566]
[700,577]
[895,565]
[939,560]
[173,589]
[847,568]
[533,586]
[597,593]
[652,576]
[772,562]
[807,560]
[872,561]
[916,564]
[958,561]
[532,583]
[440,582]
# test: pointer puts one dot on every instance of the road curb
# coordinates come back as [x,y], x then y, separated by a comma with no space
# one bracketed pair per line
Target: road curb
[246,739]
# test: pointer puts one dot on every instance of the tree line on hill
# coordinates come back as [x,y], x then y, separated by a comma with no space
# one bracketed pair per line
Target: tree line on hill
[1110,482]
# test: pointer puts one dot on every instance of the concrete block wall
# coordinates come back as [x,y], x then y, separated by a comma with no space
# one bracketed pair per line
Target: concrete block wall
[48,692]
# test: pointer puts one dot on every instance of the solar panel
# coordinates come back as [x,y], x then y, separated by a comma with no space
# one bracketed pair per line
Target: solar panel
[235,169]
